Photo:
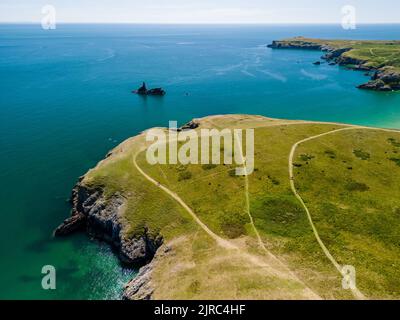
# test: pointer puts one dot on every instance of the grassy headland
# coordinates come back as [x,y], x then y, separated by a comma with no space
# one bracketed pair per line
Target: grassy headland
[267,249]
[382,57]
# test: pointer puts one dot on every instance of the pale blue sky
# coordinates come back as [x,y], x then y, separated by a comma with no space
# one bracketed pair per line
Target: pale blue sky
[201,11]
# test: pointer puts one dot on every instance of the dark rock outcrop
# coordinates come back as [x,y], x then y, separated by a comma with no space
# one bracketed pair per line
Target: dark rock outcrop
[299,45]
[375,76]
[383,81]
[334,53]
[102,218]
[76,222]
[377,85]
[345,60]
[390,77]
[142,286]
[142,89]
[155,92]
[149,92]
[189,126]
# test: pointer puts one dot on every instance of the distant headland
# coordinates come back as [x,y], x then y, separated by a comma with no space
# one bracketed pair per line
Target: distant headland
[378,58]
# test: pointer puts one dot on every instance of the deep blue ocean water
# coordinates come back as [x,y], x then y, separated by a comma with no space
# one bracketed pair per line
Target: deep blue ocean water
[65,101]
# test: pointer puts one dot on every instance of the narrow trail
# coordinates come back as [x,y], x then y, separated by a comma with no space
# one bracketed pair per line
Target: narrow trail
[260,242]
[287,274]
[259,239]
[222,242]
[255,259]
[246,178]
[357,293]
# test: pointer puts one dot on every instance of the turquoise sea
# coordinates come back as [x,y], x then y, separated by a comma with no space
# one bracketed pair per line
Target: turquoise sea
[65,101]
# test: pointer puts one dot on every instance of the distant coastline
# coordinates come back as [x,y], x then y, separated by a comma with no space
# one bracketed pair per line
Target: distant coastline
[376,58]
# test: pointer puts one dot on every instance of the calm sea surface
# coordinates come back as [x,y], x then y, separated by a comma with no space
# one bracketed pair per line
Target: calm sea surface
[65,101]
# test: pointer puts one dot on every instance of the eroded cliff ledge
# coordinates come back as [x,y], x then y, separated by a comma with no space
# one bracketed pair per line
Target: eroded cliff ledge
[103,219]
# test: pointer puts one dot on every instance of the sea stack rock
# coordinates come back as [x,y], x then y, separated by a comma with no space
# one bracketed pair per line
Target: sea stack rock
[142,89]
[149,92]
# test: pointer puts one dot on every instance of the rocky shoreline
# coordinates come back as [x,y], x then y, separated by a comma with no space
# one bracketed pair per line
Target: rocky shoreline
[141,287]
[102,219]
[382,79]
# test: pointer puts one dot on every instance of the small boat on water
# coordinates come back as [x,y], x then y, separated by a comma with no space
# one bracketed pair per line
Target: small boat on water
[149,92]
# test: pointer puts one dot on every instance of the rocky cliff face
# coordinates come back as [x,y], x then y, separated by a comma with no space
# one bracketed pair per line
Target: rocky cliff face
[103,219]
[382,79]
[142,286]
[297,45]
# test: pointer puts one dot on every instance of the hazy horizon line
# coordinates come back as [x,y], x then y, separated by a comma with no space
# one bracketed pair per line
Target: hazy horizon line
[199,23]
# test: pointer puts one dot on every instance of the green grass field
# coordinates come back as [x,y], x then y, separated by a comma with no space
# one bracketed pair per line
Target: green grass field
[377,53]
[354,199]
[348,180]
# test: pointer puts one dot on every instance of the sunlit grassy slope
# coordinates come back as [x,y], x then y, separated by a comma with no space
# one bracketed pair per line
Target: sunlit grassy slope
[376,53]
[349,181]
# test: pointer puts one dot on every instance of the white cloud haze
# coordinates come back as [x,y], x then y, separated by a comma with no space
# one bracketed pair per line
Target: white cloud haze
[200,11]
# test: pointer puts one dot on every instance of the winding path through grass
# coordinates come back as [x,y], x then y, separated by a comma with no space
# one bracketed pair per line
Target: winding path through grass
[287,273]
[260,241]
[222,242]
[357,293]
[226,244]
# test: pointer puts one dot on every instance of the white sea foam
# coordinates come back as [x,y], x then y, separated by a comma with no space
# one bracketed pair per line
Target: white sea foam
[185,43]
[274,75]
[224,70]
[247,73]
[110,54]
[313,76]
